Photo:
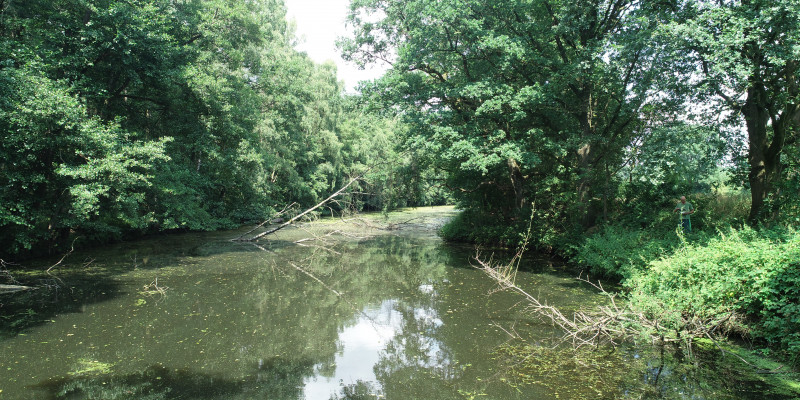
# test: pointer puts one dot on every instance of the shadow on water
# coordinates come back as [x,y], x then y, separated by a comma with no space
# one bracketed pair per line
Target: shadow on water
[91,276]
[49,297]
[276,378]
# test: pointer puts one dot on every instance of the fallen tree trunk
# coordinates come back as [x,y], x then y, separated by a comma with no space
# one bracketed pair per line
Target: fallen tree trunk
[298,216]
[272,219]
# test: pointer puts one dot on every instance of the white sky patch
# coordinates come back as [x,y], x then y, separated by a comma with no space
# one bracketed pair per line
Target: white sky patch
[319,23]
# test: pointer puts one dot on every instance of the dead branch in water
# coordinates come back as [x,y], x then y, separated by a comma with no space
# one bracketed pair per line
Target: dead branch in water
[268,220]
[382,227]
[67,254]
[298,216]
[606,324]
[153,288]
[610,323]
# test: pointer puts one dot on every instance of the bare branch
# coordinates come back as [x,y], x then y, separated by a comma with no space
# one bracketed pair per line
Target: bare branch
[298,216]
[270,219]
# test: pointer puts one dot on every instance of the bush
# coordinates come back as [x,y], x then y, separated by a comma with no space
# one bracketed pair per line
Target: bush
[475,227]
[744,273]
[719,211]
[534,229]
[618,252]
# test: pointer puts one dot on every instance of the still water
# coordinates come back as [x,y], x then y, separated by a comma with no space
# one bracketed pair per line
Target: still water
[369,309]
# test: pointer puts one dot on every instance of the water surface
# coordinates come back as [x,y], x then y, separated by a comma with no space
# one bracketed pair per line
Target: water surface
[358,313]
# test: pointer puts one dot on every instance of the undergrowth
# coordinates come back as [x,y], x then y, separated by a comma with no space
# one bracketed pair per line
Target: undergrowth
[743,281]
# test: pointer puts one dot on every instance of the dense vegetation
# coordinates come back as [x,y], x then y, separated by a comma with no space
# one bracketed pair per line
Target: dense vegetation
[126,117]
[593,118]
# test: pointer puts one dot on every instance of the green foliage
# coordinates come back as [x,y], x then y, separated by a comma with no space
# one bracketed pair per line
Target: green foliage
[667,162]
[621,253]
[745,277]
[123,117]
[646,230]
[63,169]
[475,227]
[719,211]
[786,206]
[681,157]
[504,97]
[724,53]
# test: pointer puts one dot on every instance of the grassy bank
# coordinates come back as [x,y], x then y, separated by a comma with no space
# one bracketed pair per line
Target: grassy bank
[725,287]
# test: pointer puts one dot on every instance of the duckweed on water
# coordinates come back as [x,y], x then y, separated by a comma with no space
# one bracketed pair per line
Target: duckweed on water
[657,373]
[88,366]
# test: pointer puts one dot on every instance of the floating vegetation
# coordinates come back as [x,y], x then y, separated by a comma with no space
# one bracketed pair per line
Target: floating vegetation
[87,366]
[638,373]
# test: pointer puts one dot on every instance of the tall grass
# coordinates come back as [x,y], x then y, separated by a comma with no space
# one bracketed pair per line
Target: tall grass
[721,210]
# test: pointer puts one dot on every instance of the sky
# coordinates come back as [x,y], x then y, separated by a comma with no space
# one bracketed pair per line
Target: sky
[319,23]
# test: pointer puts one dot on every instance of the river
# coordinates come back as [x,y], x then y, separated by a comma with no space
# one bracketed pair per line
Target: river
[359,309]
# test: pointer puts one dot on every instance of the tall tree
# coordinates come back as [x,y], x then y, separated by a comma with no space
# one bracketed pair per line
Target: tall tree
[748,53]
[522,101]
[63,167]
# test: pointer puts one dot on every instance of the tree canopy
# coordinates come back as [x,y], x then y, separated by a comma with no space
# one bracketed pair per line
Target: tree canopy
[137,116]
[126,117]
[544,106]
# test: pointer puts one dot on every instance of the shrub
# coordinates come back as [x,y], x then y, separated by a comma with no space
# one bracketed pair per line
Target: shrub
[475,227]
[721,210]
[744,273]
[618,252]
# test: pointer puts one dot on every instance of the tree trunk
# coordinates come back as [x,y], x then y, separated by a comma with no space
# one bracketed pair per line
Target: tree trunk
[756,117]
[242,238]
[517,182]
[588,216]
[764,154]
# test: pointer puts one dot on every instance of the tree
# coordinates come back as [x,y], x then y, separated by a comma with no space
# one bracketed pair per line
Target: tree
[63,170]
[668,160]
[521,102]
[129,116]
[746,53]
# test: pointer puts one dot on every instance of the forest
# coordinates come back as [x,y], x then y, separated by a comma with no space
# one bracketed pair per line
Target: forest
[571,127]
[121,118]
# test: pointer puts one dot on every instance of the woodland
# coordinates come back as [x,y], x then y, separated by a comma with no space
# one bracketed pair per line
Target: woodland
[569,127]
